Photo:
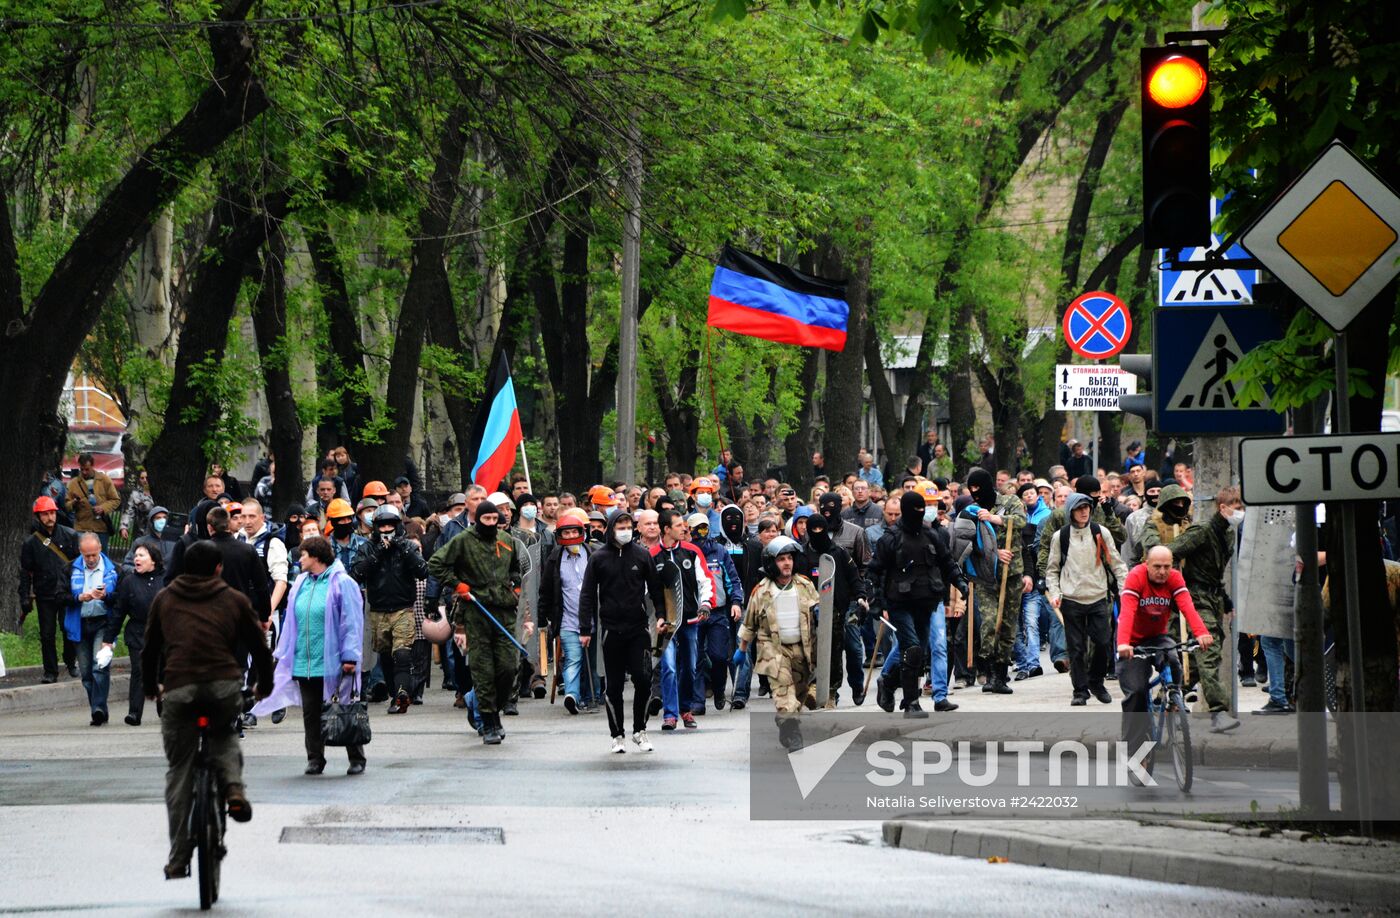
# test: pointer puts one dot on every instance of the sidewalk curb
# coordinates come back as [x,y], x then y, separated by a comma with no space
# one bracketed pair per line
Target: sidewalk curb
[1232,873]
[67,694]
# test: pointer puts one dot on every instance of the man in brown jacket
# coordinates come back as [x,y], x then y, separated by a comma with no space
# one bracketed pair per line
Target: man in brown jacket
[91,497]
[199,631]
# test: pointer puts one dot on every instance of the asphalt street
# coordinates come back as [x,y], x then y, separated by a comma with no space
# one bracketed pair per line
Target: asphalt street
[549,822]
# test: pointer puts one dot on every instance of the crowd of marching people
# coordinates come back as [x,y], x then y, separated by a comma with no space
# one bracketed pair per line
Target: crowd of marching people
[701,591]
[938,585]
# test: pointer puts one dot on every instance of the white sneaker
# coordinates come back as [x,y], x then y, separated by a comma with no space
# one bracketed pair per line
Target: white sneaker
[640,738]
[618,746]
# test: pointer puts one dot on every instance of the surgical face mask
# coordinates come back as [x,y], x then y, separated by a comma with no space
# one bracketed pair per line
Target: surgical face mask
[931,514]
[623,536]
[1237,517]
[703,500]
[159,525]
[529,512]
[367,518]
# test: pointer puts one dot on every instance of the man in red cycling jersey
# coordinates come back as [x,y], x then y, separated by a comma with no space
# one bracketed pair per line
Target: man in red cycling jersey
[1153,590]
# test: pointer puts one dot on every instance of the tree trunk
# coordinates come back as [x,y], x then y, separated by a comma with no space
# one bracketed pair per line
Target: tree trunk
[843,400]
[680,417]
[150,314]
[178,457]
[797,445]
[427,281]
[345,368]
[39,345]
[962,415]
[270,330]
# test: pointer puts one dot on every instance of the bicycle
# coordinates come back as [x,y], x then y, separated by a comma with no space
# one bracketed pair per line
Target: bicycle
[1169,724]
[207,819]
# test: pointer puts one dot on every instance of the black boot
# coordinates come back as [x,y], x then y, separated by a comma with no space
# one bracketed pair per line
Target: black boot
[789,733]
[1000,685]
[493,734]
[884,694]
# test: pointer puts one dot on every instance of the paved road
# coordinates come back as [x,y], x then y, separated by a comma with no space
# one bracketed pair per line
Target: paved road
[583,831]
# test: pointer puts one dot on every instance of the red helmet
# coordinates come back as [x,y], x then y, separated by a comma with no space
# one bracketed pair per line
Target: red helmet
[44,504]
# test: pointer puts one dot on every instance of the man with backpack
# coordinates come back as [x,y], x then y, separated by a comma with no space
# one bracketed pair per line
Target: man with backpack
[912,570]
[1082,576]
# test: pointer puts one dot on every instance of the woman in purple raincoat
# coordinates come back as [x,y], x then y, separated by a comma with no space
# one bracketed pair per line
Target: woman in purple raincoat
[318,651]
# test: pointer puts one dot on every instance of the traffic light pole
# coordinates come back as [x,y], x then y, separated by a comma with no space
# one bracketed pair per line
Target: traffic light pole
[1341,424]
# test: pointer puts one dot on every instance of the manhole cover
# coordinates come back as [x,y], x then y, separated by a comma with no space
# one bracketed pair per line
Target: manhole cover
[392,835]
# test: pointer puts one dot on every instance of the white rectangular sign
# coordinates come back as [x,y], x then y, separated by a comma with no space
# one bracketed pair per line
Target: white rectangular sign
[1091,387]
[1306,470]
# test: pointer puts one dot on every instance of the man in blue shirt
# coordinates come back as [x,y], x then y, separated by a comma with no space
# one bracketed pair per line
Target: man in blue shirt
[93,582]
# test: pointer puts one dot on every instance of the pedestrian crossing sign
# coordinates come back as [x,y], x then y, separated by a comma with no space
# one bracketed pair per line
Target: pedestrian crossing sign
[1221,287]
[1206,386]
[1195,349]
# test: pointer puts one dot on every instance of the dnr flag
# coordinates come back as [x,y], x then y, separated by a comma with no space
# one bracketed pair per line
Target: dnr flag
[754,296]
[496,432]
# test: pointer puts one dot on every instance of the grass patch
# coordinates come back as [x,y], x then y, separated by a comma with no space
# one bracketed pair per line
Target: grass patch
[23,649]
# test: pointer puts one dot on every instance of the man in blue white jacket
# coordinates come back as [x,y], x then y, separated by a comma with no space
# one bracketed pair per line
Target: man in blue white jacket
[93,581]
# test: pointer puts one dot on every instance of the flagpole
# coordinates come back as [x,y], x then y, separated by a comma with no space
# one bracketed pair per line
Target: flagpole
[525,461]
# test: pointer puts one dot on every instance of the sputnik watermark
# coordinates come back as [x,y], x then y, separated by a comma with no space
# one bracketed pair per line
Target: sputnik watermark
[929,758]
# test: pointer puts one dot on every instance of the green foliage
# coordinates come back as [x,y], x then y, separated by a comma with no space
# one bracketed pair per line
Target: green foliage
[225,384]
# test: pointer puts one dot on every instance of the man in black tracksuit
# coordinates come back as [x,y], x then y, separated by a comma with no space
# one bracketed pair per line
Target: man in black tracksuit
[848,588]
[619,577]
[389,569]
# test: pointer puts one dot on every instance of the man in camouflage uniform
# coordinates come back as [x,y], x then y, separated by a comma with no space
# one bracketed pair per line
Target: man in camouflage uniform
[779,618]
[1202,550]
[1004,512]
[484,565]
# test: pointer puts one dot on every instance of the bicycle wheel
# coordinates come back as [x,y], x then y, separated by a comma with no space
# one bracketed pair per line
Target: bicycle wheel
[204,821]
[1179,741]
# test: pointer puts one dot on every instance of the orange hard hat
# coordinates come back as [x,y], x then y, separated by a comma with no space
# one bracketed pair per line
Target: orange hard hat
[375,489]
[601,496]
[702,484]
[339,509]
[44,504]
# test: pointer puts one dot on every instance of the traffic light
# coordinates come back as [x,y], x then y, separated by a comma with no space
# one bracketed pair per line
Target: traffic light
[1176,146]
[1141,366]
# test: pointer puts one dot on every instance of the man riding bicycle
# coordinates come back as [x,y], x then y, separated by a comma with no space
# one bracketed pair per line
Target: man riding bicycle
[1151,592]
[198,634]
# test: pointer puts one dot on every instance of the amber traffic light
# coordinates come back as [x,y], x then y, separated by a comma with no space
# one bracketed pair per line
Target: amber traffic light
[1176,146]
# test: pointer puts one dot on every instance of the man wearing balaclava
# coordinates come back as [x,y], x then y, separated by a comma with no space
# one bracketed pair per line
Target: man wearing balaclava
[851,537]
[1006,514]
[848,593]
[482,570]
[1137,521]
[912,568]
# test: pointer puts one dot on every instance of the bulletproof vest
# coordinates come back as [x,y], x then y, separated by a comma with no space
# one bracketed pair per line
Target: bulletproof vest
[915,577]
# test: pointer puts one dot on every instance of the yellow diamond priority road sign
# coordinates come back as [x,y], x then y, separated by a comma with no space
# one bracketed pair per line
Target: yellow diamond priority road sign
[1333,236]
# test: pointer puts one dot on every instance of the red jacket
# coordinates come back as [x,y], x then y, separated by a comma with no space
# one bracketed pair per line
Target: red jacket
[1146,608]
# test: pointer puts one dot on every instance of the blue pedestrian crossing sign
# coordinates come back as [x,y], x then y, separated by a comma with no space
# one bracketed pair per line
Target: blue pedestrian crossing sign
[1196,348]
[1221,287]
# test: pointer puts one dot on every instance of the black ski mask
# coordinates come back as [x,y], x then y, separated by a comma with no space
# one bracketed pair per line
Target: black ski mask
[731,523]
[818,535]
[829,505]
[487,531]
[982,487]
[911,512]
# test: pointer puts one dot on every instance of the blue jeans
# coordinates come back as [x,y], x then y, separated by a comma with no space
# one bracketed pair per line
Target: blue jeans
[1275,651]
[1037,618]
[743,676]
[678,664]
[936,639]
[584,692]
[96,681]
[716,647]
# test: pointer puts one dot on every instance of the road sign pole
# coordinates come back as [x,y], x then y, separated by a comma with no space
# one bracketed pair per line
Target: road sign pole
[1341,423]
[1309,663]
